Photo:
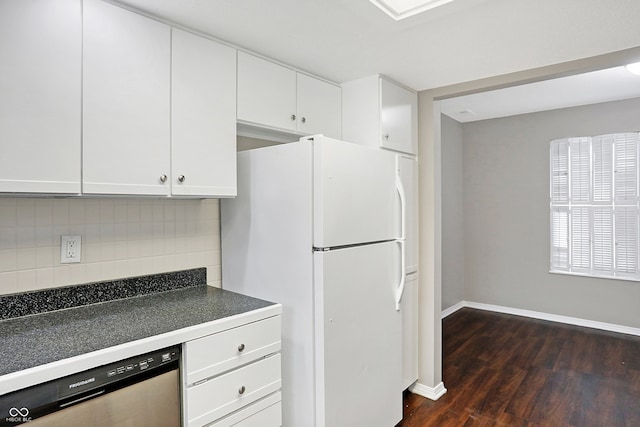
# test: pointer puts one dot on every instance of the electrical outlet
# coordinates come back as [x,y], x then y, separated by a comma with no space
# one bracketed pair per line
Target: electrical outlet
[70,249]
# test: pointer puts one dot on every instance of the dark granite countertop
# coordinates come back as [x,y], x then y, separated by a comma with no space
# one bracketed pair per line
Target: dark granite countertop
[39,339]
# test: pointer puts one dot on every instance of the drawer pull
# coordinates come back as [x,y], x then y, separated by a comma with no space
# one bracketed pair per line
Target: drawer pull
[240,348]
[241,390]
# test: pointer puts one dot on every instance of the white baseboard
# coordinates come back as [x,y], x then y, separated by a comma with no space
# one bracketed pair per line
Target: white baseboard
[433,393]
[612,327]
[449,311]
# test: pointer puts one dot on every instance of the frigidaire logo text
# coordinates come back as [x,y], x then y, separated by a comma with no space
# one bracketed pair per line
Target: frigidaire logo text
[18,415]
[83,382]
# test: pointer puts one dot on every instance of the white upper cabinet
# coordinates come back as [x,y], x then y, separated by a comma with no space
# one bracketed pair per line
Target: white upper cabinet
[203,117]
[126,102]
[279,98]
[40,86]
[266,93]
[380,113]
[319,107]
[398,117]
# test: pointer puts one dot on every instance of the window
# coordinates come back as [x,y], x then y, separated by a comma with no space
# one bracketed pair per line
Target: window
[594,209]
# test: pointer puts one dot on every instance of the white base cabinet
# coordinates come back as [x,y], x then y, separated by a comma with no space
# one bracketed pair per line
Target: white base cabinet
[233,378]
[379,112]
[40,96]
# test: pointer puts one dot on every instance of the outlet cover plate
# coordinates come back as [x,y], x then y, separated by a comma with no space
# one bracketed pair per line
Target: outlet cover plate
[70,249]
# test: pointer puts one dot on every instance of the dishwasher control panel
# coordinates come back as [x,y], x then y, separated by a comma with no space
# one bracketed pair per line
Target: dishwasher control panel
[118,371]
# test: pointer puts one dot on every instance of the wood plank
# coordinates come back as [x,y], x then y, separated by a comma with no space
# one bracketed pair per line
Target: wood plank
[511,371]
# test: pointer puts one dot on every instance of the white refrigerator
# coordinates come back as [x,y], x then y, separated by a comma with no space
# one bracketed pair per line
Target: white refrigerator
[315,227]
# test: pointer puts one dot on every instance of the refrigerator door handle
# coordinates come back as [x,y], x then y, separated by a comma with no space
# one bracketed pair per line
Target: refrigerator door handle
[401,239]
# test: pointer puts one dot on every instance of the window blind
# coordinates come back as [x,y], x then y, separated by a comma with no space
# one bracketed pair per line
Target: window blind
[594,205]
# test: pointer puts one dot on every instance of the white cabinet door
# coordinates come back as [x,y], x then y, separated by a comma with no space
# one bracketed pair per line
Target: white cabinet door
[40,81]
[203,116]
[266,93]
[319,107]
[378,112]
[409,310]
[126,71]
[398,117]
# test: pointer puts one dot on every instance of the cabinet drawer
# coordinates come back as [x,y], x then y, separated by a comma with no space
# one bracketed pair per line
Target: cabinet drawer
[217,353]
[222,395]
[266,412]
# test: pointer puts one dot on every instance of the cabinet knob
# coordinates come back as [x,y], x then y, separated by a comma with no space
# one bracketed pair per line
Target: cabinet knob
[293,117]
[181,178]
[241,348]
[163,178]
[303,120]
[386,136]
[241,390]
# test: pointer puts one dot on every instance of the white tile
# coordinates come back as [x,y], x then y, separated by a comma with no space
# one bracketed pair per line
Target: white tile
[120,231]
[107,211]
[108,270]
[8,238]
[169,246]
[76,274]
[44,212]
[120,211]
[120,250]
[92,272]
[121,269]
[26,258]
[27,280]
[26,212]
[107,251]
[133,211]
[60,212]
[91,233]
[146,211]
[90,252]
[134,249]
[61,275]
[43,234]
[158,211]
[76,211]
[91,211]
[45,257]
[25,237]
[133,231]
[8,283]
[170,210]
[146,230]
[8,260]
[107,232]
[45,278]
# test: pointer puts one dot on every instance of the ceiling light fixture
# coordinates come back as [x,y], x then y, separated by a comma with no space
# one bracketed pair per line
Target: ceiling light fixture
[400,9]
[634,68]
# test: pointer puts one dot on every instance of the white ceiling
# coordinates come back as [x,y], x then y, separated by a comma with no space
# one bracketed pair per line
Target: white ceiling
[463,40]
[583,89]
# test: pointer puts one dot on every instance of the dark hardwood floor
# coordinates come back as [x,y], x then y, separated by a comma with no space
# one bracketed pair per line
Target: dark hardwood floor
[503,370]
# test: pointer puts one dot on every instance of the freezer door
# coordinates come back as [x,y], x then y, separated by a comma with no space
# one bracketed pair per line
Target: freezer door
[358,336]
[355,193]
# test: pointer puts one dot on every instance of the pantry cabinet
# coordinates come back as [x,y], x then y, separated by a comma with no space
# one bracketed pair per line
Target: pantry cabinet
[379,112]
[126,102]
[279,98]
[40,101]
[203,117]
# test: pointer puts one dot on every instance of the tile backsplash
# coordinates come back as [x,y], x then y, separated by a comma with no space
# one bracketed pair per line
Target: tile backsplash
[120,238]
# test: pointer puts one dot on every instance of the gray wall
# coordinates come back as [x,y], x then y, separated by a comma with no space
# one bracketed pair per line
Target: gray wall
[453,218]
[506,215]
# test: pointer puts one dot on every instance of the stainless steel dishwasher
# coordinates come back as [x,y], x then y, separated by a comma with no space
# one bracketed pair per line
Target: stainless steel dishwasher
[139,391]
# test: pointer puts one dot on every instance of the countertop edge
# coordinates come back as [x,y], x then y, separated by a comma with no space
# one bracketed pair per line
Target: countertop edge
[39,374]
